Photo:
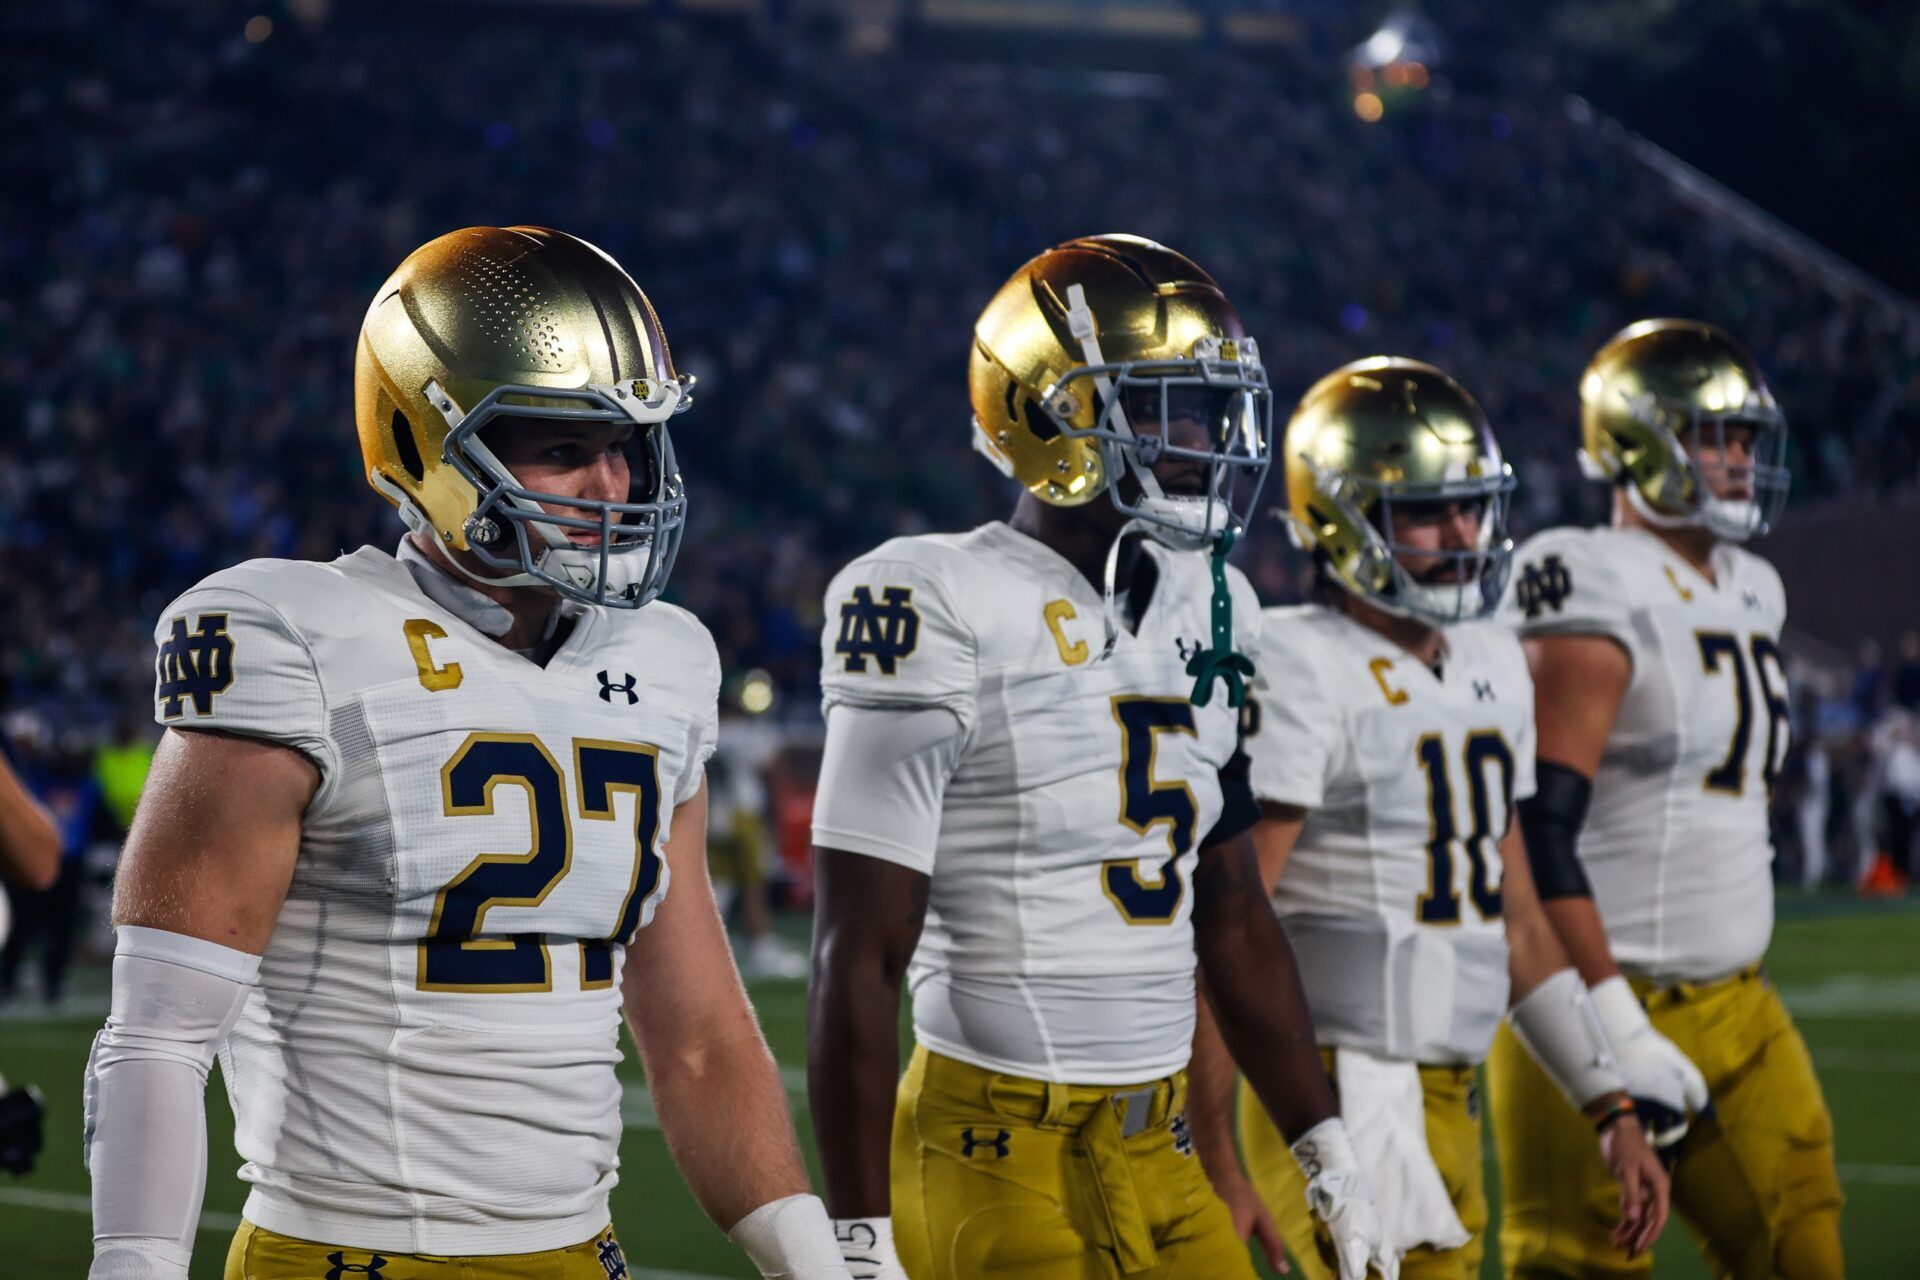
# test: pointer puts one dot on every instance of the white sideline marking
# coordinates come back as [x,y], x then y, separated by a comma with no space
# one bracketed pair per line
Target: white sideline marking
[1899,1175]
[227,1223]
[1853,995]
[74,1202]
[28,1009]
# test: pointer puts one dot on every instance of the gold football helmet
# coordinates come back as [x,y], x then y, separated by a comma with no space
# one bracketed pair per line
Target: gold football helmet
[489,324]
[1653,396]
[1084,357]
[1386,432]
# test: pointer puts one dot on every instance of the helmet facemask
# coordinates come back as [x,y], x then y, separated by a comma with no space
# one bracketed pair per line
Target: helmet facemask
[522,533]
[1478,574]
[1221,385]
[1679,493]
[1686,492]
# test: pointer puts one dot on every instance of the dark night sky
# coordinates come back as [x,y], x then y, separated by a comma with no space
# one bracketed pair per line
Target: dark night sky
[1811,110]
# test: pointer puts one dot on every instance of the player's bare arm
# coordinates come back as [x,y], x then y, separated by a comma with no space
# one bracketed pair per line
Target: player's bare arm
[201,881]
[215,837]
[1255,989]
[1534,956]
[1580,682]
[29,841]
[866,922]
[1250,979]
[715,1087]
[1211,1075]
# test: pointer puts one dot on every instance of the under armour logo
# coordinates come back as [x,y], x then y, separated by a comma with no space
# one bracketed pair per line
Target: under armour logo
[886,631]
[1750,599]
[342,1268]
[194,666]
[1543,586]
[1483,691]
[612,1261]
[1187,654]
[608,688]
[1182,1136]
[997,1144]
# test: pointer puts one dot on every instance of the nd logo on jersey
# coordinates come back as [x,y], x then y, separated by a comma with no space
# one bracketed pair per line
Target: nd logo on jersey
[886,630]
[194,666]
[1543,586]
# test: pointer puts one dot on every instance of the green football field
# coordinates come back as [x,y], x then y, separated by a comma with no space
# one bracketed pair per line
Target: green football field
[1850,973]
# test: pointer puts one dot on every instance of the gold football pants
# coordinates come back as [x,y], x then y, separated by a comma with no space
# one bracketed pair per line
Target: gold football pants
[258,1254]
[1755,1183]
[1453,1136]
[998,1177]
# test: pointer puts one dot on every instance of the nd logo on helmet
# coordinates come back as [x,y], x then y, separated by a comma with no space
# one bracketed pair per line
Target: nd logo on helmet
[886,630]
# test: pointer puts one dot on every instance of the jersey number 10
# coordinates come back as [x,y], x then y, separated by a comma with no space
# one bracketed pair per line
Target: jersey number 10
[1440,904]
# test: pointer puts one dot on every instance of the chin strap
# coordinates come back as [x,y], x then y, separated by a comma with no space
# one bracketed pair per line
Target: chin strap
[1221,662]
[1110,616]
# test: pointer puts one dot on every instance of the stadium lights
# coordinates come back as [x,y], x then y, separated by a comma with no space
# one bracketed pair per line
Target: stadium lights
[1391,63]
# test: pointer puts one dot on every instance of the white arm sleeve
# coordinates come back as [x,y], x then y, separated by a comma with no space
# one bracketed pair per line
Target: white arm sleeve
[175,998]
[1557,1024]
[883,777]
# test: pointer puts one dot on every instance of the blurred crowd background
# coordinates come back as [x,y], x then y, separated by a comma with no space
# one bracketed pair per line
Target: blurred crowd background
[197,201]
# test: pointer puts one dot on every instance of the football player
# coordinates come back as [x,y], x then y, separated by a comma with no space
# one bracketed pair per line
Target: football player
[1390,732]
[29,860]
[1033,815]
[1662,708]
[424,825]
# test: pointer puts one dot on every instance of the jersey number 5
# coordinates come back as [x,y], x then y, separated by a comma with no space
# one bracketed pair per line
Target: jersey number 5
[1146,803]
[456,954]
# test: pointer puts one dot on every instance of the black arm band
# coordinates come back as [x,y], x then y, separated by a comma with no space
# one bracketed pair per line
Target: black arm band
[1551,819]
[1239,811]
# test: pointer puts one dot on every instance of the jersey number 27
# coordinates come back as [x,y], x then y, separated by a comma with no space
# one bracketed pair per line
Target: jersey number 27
[457,954]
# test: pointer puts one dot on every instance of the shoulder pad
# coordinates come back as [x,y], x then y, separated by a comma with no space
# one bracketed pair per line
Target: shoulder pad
[1566,581]
[228,657]
[895,633]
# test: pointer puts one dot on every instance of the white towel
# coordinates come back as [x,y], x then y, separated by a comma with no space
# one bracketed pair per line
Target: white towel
[1382,1104]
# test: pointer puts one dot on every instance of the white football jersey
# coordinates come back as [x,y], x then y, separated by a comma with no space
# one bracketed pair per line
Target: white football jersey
[428,1063]
[1676,842]
[1058,942]
[1391,896]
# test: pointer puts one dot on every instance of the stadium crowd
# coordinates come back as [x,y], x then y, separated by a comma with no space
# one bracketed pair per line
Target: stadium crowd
[195,211]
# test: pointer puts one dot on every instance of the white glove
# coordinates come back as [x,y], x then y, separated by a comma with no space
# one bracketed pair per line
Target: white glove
[1657,1072]
[867,1245]
[1338,1196]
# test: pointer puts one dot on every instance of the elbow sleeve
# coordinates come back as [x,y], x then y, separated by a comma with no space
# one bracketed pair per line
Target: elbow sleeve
[1550,821]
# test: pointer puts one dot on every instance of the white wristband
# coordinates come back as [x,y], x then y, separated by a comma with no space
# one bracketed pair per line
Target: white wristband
[1560,1026]
[1325,1148]
[867,1246]
[1621,1016]
[791,1239]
